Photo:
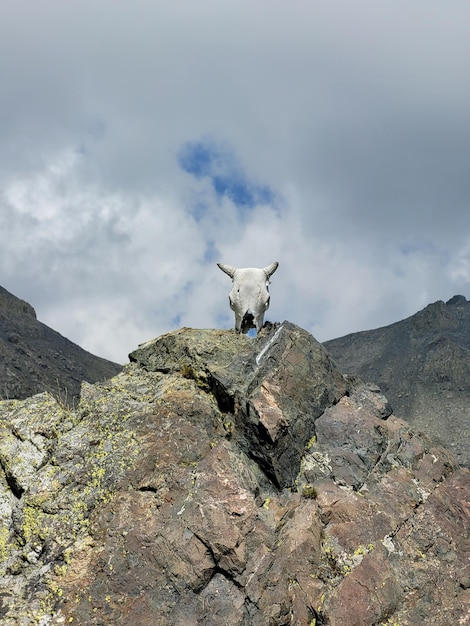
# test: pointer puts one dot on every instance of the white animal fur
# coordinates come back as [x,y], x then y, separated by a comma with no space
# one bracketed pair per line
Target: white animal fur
[249,298]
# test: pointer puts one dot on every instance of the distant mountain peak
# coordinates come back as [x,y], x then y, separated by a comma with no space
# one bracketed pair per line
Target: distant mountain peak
[457,301]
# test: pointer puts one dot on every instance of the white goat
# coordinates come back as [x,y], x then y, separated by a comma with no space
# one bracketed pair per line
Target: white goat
[249,298]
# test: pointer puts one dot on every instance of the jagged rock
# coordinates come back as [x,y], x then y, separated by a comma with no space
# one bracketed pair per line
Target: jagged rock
[35,358]
[226,480]
[422,364]
[275,387]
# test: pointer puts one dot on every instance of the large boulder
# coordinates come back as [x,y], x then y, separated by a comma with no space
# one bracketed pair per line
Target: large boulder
[221,479]
[274,387]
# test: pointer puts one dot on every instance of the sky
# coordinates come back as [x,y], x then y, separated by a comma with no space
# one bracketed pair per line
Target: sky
[143,142]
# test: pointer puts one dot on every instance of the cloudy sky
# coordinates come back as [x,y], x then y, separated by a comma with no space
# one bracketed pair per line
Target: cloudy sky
[143,141]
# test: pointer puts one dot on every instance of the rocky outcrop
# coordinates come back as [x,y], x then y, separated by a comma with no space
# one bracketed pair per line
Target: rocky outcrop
[422,364]
[226,480]
[35,358]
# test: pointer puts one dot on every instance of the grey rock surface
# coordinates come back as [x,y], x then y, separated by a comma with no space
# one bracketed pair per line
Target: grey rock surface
[275,386]
[422,365]
[220,479]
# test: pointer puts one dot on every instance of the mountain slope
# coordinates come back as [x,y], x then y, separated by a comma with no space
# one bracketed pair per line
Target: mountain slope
[422,365]
[35,358]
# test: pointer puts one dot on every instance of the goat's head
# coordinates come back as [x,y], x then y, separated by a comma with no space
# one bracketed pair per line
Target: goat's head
[249,298]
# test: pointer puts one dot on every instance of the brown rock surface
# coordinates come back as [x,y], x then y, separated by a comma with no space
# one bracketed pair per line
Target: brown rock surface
[226,480]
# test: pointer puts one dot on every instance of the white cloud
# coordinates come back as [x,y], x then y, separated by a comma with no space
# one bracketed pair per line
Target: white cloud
[460,267]
[354,117]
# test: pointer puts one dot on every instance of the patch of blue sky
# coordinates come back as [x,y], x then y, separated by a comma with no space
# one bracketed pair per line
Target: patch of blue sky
[225,320]
[242,193]
[211,253]
[176,320]
[421,247]
[197,158]
[203,159]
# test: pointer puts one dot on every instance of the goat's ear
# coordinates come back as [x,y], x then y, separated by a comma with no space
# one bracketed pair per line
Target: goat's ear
[228,269]
[269,271]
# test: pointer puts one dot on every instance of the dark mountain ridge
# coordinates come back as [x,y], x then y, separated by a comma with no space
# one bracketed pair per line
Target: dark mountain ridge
[35,358]
[422,365]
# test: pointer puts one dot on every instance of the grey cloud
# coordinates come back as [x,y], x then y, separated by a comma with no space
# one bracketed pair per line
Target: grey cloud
[355,117]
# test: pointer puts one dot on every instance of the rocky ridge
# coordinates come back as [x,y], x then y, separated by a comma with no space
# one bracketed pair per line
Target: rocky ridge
[220,479]
[422,365]
[35,358]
